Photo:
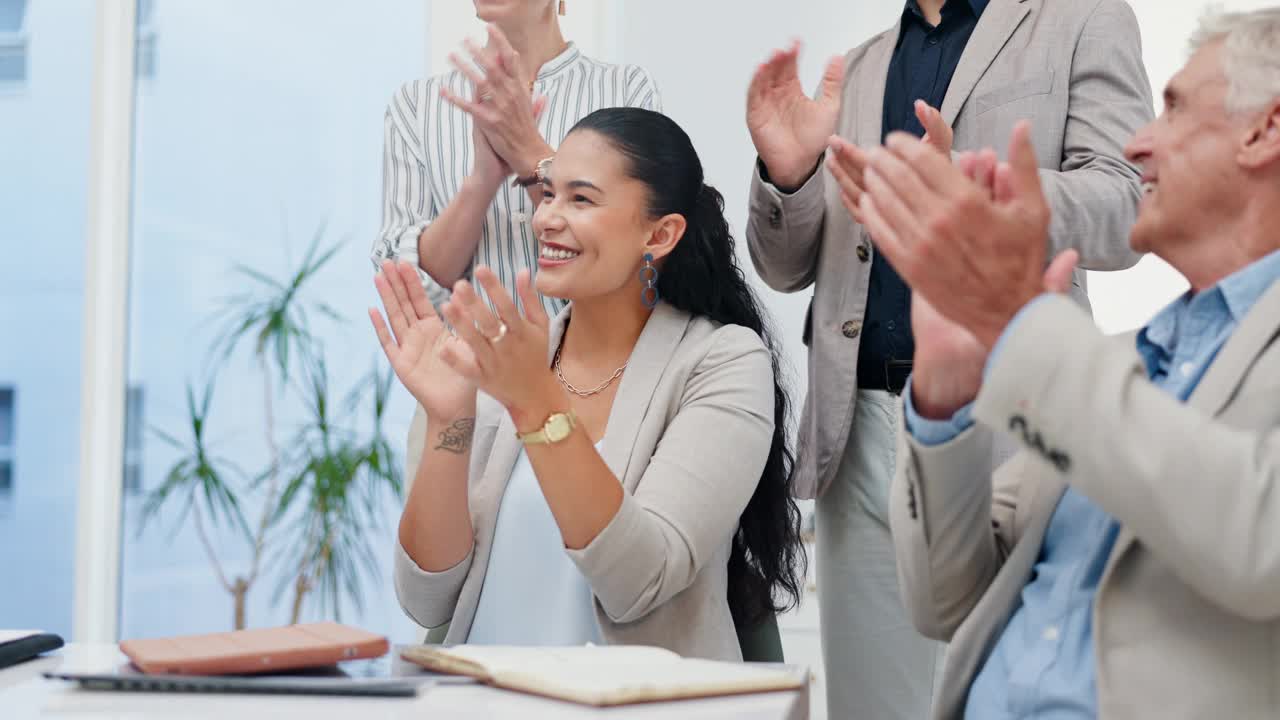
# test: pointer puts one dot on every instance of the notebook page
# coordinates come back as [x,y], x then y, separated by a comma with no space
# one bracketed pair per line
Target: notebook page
[609,675]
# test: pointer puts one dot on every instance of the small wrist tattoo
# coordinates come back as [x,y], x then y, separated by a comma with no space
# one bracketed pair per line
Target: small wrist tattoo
[457,437]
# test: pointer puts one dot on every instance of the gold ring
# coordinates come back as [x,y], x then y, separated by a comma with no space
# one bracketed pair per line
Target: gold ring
[502,332]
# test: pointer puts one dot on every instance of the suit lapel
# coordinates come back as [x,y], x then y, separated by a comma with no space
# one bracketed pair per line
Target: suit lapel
[873,76]
[654,349]
[994,29]
[1224,376]
[1240,352]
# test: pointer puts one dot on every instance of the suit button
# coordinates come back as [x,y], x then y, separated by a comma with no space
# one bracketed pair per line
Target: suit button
[775,217]
[863,253]
[851,329]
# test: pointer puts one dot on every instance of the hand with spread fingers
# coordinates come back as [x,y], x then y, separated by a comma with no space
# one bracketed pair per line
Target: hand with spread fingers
[847,162]
[420,345]
[789,128]
[503,106]
[508,350]
[983,250]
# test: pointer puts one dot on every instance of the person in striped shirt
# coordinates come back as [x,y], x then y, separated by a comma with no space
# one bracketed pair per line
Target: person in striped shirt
[453,142]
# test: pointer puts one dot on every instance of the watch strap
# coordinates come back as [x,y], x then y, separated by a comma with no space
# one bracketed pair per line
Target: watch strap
[537,177]
[541,436]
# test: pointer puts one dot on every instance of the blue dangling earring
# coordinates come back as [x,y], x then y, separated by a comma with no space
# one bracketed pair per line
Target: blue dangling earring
[649,276]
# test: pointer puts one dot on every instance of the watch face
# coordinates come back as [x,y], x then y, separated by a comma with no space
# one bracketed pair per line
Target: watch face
[558,427]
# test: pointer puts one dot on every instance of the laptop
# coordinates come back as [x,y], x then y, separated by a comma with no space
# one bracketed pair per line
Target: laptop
[310,659]
[370,678]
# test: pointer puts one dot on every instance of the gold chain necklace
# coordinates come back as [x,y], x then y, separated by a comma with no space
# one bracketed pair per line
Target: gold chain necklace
[585,393]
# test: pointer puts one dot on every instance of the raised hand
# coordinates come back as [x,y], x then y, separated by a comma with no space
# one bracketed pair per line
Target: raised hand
[977,255]
[503,106]
[949,360]
[419,345]
[847,161]
[508,356]
[790,129]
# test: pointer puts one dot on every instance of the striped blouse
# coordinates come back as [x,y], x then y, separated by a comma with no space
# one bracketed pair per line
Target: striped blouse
[427,155]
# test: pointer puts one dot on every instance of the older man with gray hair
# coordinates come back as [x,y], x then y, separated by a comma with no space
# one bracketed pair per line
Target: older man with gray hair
[1126,563]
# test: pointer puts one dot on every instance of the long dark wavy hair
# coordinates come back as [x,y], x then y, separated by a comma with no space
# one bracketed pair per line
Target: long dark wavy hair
[702,277]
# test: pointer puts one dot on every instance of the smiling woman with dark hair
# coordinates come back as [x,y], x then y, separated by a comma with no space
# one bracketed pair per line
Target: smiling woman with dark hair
[646,500]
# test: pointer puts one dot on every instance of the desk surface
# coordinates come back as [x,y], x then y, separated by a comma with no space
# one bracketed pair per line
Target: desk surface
[24,693]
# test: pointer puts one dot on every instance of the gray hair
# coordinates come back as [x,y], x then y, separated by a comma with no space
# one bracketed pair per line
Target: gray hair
[1250,55]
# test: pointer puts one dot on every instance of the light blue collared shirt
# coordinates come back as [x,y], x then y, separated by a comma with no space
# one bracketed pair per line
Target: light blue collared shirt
[1042,666]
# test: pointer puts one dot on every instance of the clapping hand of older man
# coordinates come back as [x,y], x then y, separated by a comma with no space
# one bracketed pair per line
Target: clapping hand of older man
[847,162]
[970,239]
[977,254]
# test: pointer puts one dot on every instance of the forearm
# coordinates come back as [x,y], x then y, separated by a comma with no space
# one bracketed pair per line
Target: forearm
[435,527]
[580,489]
[447,247]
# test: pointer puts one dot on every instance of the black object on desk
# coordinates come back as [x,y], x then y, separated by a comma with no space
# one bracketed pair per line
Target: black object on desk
[26,647]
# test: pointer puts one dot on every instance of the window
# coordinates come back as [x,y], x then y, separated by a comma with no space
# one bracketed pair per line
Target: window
[44,143]
[7,417]
[13,43]
[256,139]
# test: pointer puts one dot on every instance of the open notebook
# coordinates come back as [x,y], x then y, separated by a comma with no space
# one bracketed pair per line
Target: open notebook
[608,675]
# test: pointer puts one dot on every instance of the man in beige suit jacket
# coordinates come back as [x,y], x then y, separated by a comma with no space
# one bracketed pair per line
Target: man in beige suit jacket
[1170,606]
[1072,66]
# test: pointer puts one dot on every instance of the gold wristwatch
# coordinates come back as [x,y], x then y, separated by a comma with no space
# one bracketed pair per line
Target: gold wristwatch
[538,176]
[556,428]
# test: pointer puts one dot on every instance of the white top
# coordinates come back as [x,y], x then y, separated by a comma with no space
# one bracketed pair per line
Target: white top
[427,154]
[533,592]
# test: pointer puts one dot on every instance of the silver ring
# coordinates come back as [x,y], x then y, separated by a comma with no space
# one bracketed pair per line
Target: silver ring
[486,97]
[502,332]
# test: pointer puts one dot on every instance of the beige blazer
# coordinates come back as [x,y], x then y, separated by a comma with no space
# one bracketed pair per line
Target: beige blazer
[688,436]
[1072,67]
[1187,615]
